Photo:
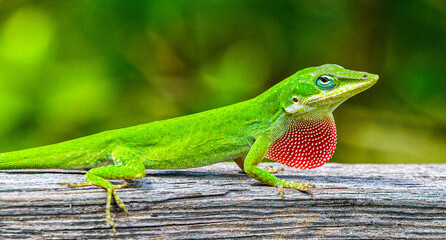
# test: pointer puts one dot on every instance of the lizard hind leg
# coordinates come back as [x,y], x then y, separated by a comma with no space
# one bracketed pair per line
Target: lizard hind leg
[95,180]
[129,166]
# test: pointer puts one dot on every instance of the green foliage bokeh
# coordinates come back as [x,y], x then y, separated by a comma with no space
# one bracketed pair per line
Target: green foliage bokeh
[73,68]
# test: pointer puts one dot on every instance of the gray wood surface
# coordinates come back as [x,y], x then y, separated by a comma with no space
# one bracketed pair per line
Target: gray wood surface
[219,202]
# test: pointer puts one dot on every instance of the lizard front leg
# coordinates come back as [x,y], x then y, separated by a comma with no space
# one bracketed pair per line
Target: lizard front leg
[255,157]
[129,165]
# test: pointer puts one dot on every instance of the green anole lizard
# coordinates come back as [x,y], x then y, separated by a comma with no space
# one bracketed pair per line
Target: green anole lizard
[291,123]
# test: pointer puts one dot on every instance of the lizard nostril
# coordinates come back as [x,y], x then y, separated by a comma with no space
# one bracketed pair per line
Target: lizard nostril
[365,75]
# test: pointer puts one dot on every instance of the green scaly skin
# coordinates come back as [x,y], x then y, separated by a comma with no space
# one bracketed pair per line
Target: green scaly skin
[241,132]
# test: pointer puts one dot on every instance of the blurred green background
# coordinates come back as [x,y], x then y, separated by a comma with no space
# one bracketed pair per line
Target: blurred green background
[73,68]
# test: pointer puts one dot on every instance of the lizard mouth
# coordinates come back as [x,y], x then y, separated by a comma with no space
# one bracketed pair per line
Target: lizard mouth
[343,93]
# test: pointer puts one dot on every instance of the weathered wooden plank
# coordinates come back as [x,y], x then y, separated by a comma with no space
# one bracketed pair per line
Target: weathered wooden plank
[219,202]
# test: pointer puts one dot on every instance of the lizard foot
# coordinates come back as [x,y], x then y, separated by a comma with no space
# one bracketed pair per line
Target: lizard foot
[110,192]
[271,169]
[73,185]
[304,188]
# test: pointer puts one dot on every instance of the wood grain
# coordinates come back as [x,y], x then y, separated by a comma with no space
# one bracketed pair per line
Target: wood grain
[220,202]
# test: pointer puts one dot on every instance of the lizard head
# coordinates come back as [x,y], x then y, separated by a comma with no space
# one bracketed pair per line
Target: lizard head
[312,94]
[322,88]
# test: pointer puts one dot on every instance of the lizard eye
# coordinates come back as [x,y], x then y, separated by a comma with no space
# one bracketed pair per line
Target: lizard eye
[326,82]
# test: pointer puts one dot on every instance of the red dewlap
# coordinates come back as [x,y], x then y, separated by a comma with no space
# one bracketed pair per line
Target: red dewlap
[306,144]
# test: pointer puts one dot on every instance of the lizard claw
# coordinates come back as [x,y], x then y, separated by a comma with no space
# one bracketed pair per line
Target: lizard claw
[280,188]
[121,186]
[73,185]
[296,185]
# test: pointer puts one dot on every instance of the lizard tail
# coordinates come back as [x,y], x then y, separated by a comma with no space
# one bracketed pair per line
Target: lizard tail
[35,158]
[63,155]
